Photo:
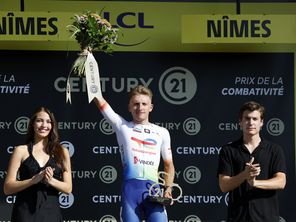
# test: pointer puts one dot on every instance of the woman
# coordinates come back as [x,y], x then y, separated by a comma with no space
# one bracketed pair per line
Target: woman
[38,171]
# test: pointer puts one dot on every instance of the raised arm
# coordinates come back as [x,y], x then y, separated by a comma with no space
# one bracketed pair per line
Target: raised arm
[99,102]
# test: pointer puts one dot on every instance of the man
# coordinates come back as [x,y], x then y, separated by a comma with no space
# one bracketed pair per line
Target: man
[252,169]
[141,144]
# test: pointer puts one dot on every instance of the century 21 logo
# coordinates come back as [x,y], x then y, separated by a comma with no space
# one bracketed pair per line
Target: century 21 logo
[128,20]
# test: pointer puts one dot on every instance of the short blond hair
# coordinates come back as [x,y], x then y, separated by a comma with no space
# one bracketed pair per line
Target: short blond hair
[140,90]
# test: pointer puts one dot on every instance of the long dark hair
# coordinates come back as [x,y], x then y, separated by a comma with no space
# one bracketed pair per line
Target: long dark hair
[53,147]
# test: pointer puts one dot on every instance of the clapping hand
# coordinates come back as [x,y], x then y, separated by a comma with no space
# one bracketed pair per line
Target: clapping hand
[48,174]
[38,177]
[253,171]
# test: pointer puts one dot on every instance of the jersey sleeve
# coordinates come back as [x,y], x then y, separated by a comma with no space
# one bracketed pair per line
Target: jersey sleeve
[166,151]
[111,116]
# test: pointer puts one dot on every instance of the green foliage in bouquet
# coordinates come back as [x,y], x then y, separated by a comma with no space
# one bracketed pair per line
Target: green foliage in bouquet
[92,32]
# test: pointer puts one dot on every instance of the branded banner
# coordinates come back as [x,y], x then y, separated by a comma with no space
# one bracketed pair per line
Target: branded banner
[143,30]
[49,29]
[238,29]
[197,97]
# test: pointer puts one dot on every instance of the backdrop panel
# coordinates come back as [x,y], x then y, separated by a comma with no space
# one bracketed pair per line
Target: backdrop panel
[196,97]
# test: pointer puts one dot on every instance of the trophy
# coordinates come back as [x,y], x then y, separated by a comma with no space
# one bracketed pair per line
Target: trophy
[157,191]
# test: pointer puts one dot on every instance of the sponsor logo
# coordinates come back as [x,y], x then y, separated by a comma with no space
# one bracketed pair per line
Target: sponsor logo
[177,85]
[106,127]
[129,20]
[105,149]
[192,218]
[5,125]
[10,199]
[137,129]
[147,142]
[198,150]
[77,125]
[143,162]
[191,126]
[201,199]
[66,200]
[107,218]
[169,125]
[275,127]
[21,125]
[117,84]
[228,126]
[106,199]
[191,174]
[108,174]
[84,174]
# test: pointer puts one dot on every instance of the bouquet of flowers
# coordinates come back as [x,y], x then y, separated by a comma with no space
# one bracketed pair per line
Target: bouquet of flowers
[92,32]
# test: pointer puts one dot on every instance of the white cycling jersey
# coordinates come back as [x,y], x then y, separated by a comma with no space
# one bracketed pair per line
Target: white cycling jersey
[140,145]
